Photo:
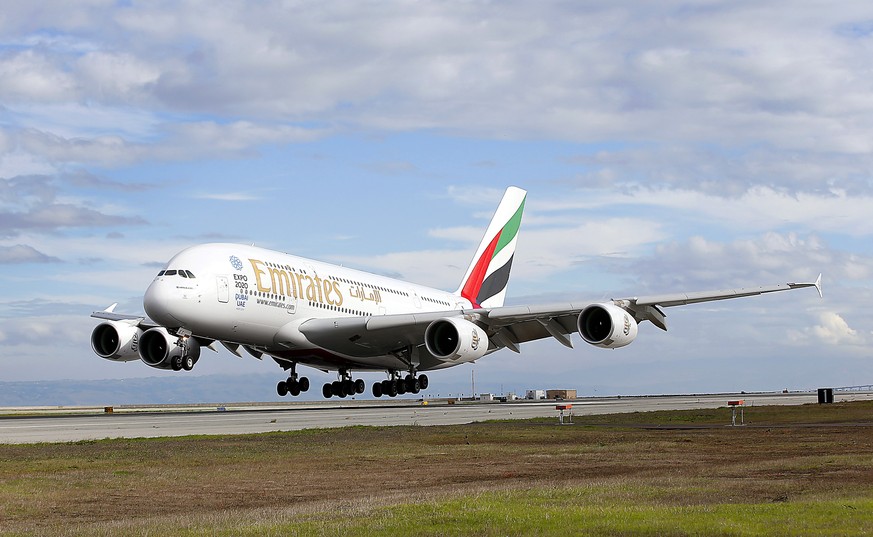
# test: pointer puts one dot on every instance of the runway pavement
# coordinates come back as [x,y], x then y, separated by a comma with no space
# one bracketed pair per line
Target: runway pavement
[88,424]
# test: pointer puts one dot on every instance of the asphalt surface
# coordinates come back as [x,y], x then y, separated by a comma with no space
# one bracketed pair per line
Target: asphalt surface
[74,424]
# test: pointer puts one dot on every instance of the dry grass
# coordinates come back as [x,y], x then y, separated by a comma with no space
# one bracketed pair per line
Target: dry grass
[321,479]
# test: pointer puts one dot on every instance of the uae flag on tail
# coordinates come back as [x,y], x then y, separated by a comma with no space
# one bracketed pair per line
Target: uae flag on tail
[485,282]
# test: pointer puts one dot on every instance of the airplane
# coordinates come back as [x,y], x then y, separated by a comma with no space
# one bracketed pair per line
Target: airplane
[300,311]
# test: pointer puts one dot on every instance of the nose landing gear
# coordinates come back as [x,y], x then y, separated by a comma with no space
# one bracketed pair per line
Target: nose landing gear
[185,359]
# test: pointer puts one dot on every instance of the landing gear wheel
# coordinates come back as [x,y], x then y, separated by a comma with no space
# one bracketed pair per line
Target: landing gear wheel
[401,386]
[282,388]
[326,391]
[304,384]
[422,381]
[413,386]
[360,387]
[293,387]
[336,388]
[348,387]
[188,363]
[377,389]
[392,389]
[176,364]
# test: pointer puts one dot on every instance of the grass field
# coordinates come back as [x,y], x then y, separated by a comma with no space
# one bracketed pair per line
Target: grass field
[797,471]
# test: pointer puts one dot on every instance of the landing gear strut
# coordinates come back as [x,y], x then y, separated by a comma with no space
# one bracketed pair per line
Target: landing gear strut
[185,360]
[345,386]
[395,385]
[294,385]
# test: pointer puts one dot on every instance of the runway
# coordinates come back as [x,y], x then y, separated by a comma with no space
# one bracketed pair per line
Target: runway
[243,419]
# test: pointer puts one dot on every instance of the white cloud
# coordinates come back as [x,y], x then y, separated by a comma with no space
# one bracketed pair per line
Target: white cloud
[722,97]
[78,121]
[30,76]
[760,207]
[21,253]
[15,163]
[213,138]
[228,196]
[833,330]
[122,77]
[112,138]
[558,71]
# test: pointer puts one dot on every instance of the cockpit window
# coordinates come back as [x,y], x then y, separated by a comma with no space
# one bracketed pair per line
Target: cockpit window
[181,272]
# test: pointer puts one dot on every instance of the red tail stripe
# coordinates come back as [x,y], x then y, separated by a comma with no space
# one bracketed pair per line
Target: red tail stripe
[477,276]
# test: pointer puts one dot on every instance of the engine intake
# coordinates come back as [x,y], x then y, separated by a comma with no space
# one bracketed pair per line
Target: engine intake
[456,340]
[607,326]
[116,340]
[160,349]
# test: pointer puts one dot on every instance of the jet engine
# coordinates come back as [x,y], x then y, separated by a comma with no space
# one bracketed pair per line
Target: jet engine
[116,340]
[162,350]
[455,339]
[607,326]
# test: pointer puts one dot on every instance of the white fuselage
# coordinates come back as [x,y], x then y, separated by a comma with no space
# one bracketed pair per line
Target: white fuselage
[244,294]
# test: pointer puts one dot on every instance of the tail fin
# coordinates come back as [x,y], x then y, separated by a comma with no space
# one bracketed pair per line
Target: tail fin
[486,279]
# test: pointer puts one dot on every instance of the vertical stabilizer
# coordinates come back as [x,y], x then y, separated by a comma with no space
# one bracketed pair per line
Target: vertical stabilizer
[486,279]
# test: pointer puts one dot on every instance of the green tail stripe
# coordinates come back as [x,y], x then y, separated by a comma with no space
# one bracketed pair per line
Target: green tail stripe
[510,230]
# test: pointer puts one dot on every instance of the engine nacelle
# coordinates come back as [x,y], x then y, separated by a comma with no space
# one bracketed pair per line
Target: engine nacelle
[158,348]
[116,340]
[607,326]
[453,339]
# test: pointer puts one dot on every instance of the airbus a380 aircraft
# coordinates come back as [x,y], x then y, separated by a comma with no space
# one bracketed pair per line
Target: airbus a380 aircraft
[332,318]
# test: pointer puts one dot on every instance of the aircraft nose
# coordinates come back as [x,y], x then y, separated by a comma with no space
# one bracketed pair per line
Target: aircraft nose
[158,303]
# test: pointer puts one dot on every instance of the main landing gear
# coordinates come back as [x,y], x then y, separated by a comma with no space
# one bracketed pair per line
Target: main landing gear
[294,385]
[346,386]
[396,385]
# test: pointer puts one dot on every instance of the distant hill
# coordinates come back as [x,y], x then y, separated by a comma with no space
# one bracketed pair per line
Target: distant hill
[150,390]
[187,389]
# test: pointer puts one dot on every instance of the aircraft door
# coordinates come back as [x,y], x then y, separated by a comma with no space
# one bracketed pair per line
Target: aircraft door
[223,289]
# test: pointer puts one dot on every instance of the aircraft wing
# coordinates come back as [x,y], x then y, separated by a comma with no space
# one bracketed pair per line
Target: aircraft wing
[506,326]
[559,320]
[109,315]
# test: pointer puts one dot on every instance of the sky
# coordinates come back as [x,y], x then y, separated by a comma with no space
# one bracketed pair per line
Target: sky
[665,147]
